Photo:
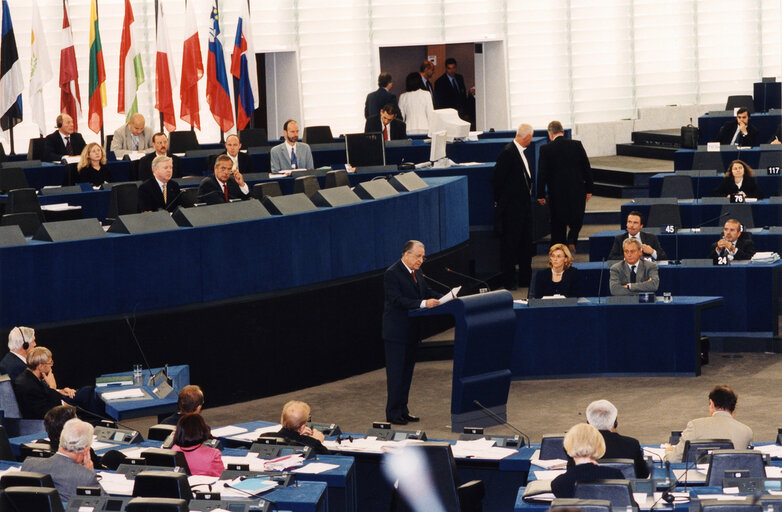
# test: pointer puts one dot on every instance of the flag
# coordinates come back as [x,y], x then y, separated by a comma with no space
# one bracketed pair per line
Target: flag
[165,76]
[70,97]
[244,69]
[97,83]
[217,95]
[40,69]
[11,81]
[131,71]
[192,70]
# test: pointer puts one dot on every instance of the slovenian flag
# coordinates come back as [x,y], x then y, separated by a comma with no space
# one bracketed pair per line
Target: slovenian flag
[97,83]
[217,95]
[11,81]
[244,69]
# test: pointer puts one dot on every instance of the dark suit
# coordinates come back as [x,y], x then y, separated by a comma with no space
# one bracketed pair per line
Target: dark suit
[543,286]
[624,447]
[513,216]
[749,186]
[55,147]
[728,129]
[297,439]
[12,366]
[564,486]
[145,166]
[66,473]
[210,191]
[564,168]
[397,128]
[245,162]
[377,100]
[150,196]
[745,248]
[447,96]
[617,253]
[400,333]
[35,397]
[172,420]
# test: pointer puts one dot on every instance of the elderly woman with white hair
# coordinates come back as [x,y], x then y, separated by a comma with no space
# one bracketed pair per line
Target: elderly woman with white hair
[584,444]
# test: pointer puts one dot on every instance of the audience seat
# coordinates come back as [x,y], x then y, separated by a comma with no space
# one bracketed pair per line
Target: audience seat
[28,222]
[13,422]
[740,100]
[36,148]
[337,179]
[318,135]
[725,460]
[29,499]
[123,201]
[23,200]
[12,178]
[737,505]
[691,448]
[307,185]
[626,466]
[551,447]
[156,505]
[704,160]
[254,137]
[768,159]
[266,189]
[162,484]
[740,212]
[618,492]
[165,458]
[25,478]
[664,214]
[182,141]
[583,505]
[677,186]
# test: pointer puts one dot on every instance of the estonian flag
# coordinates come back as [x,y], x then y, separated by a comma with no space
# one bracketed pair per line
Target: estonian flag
[11,81]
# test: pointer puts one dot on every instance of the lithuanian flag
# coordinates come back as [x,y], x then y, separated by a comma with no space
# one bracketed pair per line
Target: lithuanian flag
[97,89]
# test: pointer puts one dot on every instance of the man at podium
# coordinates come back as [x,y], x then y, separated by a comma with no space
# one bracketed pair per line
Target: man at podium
[405,289]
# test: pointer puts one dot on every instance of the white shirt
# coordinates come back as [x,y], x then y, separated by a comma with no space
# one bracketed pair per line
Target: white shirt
[291,147]
[523,159]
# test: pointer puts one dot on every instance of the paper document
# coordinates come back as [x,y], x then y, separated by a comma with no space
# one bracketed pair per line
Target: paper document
[774,450]
[480,449]
[58,207]
[100,445]
[773,472]
[123,394]
[283,463]
[132,453]
[135,155]
[115,484]
[230,430]
[243,488]
[201,480]
[250,459]
[655,452]
[255,434]
[450,295]
[71,159]
[549,474]
[315,468]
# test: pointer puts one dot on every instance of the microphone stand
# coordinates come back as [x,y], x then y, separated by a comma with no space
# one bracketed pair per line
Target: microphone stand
[452,271]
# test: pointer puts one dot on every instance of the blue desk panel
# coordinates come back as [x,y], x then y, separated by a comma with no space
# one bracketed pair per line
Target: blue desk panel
[593,339]
[750,293]
[683,158]
[766,124]
[703,185]
[124,409]
[690,245]
[54,282]
[695,212]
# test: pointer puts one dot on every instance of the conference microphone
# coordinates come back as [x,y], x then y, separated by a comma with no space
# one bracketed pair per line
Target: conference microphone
[600,281]
[677,261]
[484,283]
[141,350]
[175,200]
[501,421]
[212,193]
[104,418]
[444,286]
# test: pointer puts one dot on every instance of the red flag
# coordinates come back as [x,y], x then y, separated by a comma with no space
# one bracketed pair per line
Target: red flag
[165,76]
[192,70]
[70,97]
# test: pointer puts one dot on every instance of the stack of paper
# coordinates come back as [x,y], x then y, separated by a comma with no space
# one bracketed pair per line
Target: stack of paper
[255,434]
[115,484]
[315,468]
[480,449]
[250,459]
[123,394]
[230,430]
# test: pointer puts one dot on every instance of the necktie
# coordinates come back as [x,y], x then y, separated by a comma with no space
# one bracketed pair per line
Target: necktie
[68,147]
[294,163]
[412,273]
[385,132]
[225,191]
[165,195]
[632,274]
[455,84]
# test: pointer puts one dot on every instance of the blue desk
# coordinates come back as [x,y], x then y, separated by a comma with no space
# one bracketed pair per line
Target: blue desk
[114,275]
[766,124]
[683,158]
[695,212]
[124,409]
[592,339]
[750,293]
[704,183]
[691,245]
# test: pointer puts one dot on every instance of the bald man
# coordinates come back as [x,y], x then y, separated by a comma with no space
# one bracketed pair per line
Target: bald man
[295,415]
[64,141]
[134,137]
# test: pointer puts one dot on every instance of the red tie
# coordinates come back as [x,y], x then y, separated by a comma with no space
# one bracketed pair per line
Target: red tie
[385,132]
[412,273]
[225,191]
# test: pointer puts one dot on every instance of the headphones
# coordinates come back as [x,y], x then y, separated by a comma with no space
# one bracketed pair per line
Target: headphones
[59,121]
[25,343]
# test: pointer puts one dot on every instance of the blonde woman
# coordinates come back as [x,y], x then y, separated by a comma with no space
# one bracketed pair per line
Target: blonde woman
[560,278]
[92,166]
[585,445]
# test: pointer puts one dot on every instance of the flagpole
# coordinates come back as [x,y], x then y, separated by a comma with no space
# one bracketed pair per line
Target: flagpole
[102,138]
[160,114]
[11,135]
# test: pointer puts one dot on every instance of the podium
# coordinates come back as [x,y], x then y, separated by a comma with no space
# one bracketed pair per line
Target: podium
[485,325]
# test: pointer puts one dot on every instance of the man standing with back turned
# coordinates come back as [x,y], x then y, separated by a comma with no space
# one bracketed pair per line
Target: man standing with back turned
[405,289]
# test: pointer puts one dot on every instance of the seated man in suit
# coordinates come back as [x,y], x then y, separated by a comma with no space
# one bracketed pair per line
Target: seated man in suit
[190,400]
[241,161]
[224,185]
[633,275]
[159,191]
[291,154]
[64,141]
[20,341]
[71,466]
[382,96]
[132,137]
[739,132]
[160,146]
[734,244]
[650,245]
[295,416]
[719,424]
[386,123]
[601,414]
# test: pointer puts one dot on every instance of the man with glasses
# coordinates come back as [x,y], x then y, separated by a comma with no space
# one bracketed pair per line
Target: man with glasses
[405,289]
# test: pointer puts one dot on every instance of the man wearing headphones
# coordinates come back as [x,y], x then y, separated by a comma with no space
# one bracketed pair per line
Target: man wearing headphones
[20,341]
[63,141]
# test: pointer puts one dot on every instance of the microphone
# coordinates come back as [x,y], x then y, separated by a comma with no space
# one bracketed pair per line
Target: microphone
[484,283]
[600,282]
[104,418]
[212,193]
[181,191]
[677,261]
[141,350]
[445,287]
[718,217]
[498,419]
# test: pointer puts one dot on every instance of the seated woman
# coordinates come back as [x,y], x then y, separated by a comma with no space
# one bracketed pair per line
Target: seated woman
[584,444]
[561,278]
[739,180]
[92,166]
[190,433]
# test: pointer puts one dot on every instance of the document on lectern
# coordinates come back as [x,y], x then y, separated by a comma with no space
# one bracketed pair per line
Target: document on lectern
[450,295]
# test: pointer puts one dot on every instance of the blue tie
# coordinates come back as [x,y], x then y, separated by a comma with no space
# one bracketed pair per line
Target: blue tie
[293,158]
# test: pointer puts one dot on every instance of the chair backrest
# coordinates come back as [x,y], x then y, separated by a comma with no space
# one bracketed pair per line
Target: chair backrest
[165,458]
[737,505]
[160,432]
[307,185]
[28,222]
[36,149]
[708,160]
[626,466]
[442,469]
[109,138]
[740,100]
[22,200]
[71,189]
[156,505]
[189,197]
[162,484]
[8,402]
[583,505]
[182,141]
[551,447]
[12,178]
[665,214]
[268,188]
[318,135]
[254,137]
[769,159]
[727,460]
[6,453]
[39,499]
[691,448]
[677,186]
[25,478]
[337,179]
[740,212]
[618,492]
[124,200]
